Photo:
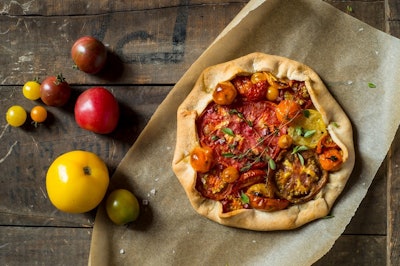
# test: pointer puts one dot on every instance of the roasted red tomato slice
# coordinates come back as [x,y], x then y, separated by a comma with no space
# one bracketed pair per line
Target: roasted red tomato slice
[212,186]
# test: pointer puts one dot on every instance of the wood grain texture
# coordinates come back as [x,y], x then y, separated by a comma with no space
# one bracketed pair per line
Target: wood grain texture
[44,246]
[23,192]
[151,43]
[393,192]
[155,45]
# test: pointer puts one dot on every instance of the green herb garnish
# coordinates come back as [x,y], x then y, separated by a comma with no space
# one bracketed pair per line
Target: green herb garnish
[228,131]
[309,133]
[272,164]
[297,149]
[306,113]
[349,9]
[244,198]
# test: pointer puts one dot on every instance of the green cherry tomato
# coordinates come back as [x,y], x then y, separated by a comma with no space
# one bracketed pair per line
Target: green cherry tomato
[16,116]
[122,206]
[31,90]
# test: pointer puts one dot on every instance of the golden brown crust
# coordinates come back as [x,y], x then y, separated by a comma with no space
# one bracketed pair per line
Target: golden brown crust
[339,128]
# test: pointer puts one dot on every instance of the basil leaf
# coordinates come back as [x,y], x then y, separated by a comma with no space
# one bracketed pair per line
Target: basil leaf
[309,133]
[299,131]
[228,131]
[296,149]
[245,199]
[272,164]
[301,158]
[228,155]
[335,124]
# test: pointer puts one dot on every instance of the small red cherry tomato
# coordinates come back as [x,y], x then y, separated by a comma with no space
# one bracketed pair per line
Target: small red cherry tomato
[55,91]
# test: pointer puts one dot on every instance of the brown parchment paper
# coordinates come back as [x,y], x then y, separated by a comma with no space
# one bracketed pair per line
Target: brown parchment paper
[347,54]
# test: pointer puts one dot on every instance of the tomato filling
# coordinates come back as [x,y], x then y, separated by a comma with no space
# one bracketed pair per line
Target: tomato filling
[251,134]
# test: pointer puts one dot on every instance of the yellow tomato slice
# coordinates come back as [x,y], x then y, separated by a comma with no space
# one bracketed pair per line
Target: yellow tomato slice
[307,129]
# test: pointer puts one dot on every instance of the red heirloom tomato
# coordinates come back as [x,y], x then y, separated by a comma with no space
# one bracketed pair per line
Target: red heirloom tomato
[97,110]
[89,54]
[55,91]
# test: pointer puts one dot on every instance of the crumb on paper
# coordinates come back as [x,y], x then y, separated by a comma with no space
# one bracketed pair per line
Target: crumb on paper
[360,29]
[152,192]
[349,82]
[122,251]
[254,241]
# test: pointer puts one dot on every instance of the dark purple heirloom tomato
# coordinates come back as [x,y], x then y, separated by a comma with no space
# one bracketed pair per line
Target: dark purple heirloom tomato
[55,91]
[89,54]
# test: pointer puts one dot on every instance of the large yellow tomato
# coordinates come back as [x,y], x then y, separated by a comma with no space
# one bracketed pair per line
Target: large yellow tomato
[77,181]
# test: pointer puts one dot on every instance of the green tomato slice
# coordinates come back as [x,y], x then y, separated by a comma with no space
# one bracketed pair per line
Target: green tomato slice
[307,129]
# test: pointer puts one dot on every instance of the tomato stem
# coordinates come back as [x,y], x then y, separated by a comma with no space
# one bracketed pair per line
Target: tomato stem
[86,170]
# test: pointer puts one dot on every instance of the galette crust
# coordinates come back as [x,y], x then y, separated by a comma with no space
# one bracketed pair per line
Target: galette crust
[339,128]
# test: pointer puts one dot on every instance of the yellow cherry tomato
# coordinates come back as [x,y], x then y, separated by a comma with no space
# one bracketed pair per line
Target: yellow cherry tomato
[258,76]
[202,159]
[272,93]
[16,116]
[122,206]
[225,93]
[285,141]
[77,181]
[38,114]
[230,174]
[31,90]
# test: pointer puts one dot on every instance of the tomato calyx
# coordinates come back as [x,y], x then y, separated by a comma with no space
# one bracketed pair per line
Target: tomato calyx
[87,170]
[59,79]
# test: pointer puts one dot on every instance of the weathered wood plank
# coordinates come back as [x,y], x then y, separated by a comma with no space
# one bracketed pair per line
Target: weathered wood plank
[44,245]
[356,250]
[370,217]
[368,11]
[141,53]
[23,193]
[85,8]
[393,192]
[392,10]
[152,43]
[392,14]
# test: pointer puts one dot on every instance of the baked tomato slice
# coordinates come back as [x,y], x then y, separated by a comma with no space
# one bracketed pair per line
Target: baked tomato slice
[299,176]
[212,186]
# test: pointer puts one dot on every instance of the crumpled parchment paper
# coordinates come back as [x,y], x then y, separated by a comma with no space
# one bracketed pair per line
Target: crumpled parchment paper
[347,54]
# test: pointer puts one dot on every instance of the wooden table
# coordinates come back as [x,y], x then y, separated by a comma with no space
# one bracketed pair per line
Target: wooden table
[152,43]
